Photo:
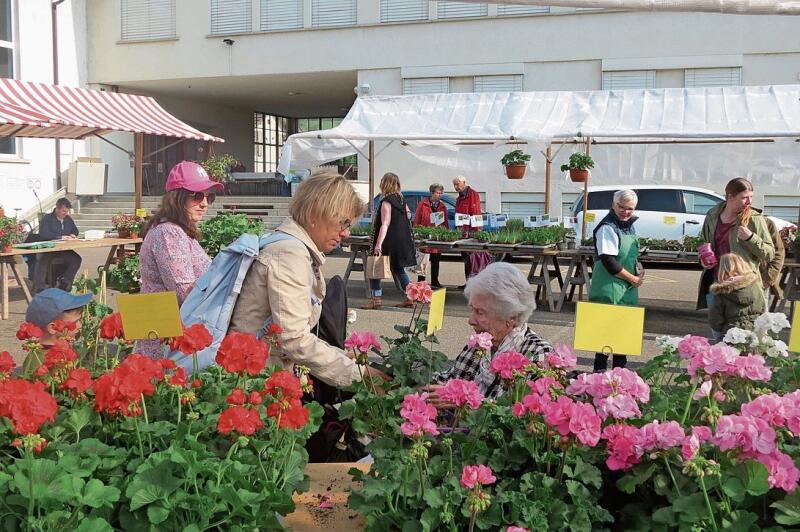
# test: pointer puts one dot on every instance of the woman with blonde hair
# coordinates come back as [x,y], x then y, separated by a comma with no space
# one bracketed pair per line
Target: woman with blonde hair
[285,287]
[392,236]
[738,297]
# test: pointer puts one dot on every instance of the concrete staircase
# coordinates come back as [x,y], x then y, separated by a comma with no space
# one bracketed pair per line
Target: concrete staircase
[97,214]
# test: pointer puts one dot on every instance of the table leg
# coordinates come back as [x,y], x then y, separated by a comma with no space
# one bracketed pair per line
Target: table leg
[4,287]
[568,283]
[364,267]
[788,291]
[353,256]
[587,279]
[20,281]
[557,271]
[110,257]
[548,290]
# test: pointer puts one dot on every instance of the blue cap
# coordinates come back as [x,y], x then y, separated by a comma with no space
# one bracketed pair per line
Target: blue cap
[48,305]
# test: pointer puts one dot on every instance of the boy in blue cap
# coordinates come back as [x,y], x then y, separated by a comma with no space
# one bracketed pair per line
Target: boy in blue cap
[47,307]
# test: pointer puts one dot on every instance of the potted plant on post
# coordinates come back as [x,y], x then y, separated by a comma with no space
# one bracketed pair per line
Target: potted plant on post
[578,166]
[515,164]
[136,226]
[11,232]
[219,167]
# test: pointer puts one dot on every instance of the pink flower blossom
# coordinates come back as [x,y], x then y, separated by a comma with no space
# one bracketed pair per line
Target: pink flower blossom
[719,358]
[692,346]
[657,436]
[460,392]
[476,476]
[562,358]
[532,403]
[719,396]
[791,403]
[557,414]
[419,292]
[622,454]
[690,447]
[614,393]
[362,341]
[518,409]
[507,362]
[480,340]
[514,528]
[770,407]
[618,407]
[419,416]
[585,424]
[545,386]
[749,434]
[703,390]
[703,433]
[752,367]
[783,473]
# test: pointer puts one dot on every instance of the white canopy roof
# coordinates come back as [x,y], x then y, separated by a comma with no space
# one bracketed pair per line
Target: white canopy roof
[681,113]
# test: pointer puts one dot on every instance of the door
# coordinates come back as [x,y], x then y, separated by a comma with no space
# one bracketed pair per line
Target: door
[660,212]
[696,205]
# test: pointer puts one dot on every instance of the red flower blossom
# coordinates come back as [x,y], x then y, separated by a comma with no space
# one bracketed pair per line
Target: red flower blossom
[26,404]
[179,378]
[60,355]
[195,338]
[197,383]
[240,352]
[274,329]
[290,414]
[283,384]
[63,327]
[237,397]
[29,331]
[240,419]
[255,398]
[111,327]
[167,363]
[121,390]
[78,381]
[7,364]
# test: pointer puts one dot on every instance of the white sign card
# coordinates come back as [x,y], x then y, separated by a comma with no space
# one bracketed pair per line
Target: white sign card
[437,218]
[530,221]
[476,220]
[570,221]
[462,219]
[500,220]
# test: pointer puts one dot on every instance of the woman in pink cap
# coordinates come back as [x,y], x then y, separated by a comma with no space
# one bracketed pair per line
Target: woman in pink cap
[171,259]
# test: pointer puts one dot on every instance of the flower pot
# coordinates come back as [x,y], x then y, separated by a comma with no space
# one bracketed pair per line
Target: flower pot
[134,234]
[515,171]
[8,248]
[123,233]
[578,176]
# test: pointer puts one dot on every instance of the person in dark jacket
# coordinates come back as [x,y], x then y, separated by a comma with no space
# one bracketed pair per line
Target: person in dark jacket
[392,236]
[738,296]
[423,217]
[616,277]
[57,225]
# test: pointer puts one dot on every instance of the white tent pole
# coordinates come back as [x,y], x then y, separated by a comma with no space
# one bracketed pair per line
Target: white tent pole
[547,169]
[587,151]
[371,173]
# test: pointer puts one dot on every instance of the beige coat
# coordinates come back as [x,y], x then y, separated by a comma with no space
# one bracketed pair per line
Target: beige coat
[285,283]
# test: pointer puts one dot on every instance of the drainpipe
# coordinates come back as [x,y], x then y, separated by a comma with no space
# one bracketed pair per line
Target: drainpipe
[54,26]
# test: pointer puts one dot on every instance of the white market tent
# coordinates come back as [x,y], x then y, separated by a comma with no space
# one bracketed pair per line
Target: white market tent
[685,115]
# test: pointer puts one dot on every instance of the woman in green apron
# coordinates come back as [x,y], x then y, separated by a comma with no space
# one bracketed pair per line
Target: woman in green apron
[616,276]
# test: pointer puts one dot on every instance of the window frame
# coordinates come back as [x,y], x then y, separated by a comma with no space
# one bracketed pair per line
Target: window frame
[678,206]
[698,193]
[13,145]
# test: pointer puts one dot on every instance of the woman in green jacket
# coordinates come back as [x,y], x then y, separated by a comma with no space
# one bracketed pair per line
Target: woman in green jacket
[734,226]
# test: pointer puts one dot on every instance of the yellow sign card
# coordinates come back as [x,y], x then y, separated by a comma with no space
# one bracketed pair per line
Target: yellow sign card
[589,217]
[609,328]
[794,335]
[150,316]
[436,311]
[141,213]
[670,220]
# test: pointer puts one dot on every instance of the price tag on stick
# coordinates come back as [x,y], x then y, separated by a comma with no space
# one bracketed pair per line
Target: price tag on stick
[150,316]
[609,329]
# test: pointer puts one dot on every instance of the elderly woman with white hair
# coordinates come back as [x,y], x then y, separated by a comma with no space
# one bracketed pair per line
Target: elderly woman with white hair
[617,274]
[501,300]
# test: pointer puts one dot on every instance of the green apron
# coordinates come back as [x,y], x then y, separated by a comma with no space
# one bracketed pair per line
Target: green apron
[607,288]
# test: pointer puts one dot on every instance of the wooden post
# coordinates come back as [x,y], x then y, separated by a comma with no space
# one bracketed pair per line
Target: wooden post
[137,168]
[371,173]
[547,169]
[587,150]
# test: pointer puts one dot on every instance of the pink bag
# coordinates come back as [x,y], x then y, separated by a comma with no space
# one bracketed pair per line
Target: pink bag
[707,257]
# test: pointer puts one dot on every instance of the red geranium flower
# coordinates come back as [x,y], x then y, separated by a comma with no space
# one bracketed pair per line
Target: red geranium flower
[61,354]
[78,381]
[29,331]
[283,384]
[240,419]
[121,390]
[7,364]
[197,383]
[255,398]
[240,352]
[237,397]
[194,339]
[291,414]
[26,404]
[179,378]
[111,327]
[274,329]
[167,363]
[62,326]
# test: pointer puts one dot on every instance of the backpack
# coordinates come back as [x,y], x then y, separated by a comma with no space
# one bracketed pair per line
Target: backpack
[213,298]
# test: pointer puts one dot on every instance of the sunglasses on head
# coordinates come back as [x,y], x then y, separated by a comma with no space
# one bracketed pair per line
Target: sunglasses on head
[199,196]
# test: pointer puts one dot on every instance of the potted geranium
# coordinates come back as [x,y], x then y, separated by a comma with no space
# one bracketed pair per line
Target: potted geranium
[11,232]
[122,224]
[515,164]
[219,167]
[578,167]
[136,226]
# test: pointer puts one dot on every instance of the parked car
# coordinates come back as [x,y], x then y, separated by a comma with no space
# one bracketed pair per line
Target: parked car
[413,197]
[665,211]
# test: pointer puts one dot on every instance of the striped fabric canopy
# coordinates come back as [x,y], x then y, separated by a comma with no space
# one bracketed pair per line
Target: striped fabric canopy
[29,109]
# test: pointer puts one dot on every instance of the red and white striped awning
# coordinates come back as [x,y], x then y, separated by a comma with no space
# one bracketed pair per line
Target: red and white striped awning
[29,109]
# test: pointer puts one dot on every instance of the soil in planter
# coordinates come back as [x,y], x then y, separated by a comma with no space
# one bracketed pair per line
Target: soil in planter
[330,484]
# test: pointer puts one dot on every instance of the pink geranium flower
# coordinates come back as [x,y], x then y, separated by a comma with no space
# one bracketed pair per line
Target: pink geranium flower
[514,528]
[783,473]
[704,390]
[752,367]
[618,406]
[507,362]
[481,341]
[558,413]
[750,435]
[692,346]
[419,416]
[657,436]
[561,357]
[362,341]
[622,453]
[461,392]
[690,447]
[585,424]
[419,292]
[769,407]
[476,476]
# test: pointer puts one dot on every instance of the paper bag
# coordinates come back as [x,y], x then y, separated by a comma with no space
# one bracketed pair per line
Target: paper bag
[378,267]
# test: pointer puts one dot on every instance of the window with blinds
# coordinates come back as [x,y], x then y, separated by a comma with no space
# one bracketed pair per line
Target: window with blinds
[404,10]
[281,15]
[461,9]
[629,79]
[713,77]
[426,85]
[511,9]
[520,204]
[231,16]
[332,13]
[497,83]
[147,19]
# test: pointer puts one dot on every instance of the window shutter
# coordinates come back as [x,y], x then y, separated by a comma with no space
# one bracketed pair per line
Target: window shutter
[629,79]
[231,16]
[511,9]
[497,83]
[713,77]
[461,9]
[403,10]
[147,19]
[426,85]
[332,13]
[519,204]
[281,14]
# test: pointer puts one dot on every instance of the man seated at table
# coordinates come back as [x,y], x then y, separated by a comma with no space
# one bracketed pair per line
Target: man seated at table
[57,225]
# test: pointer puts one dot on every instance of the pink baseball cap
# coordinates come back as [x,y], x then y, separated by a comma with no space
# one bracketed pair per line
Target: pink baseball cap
[191,176]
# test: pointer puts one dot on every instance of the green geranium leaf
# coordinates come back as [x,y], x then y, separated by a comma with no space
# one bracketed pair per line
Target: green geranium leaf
[740,521]
[146,495]
[666,516]
[787,511]
[433,497]
[94,524]
[157,514]
[691,507]
[754,477]
[638,475]
[97,495]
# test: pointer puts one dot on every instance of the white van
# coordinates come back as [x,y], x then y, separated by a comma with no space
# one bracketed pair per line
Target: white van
[665,211]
